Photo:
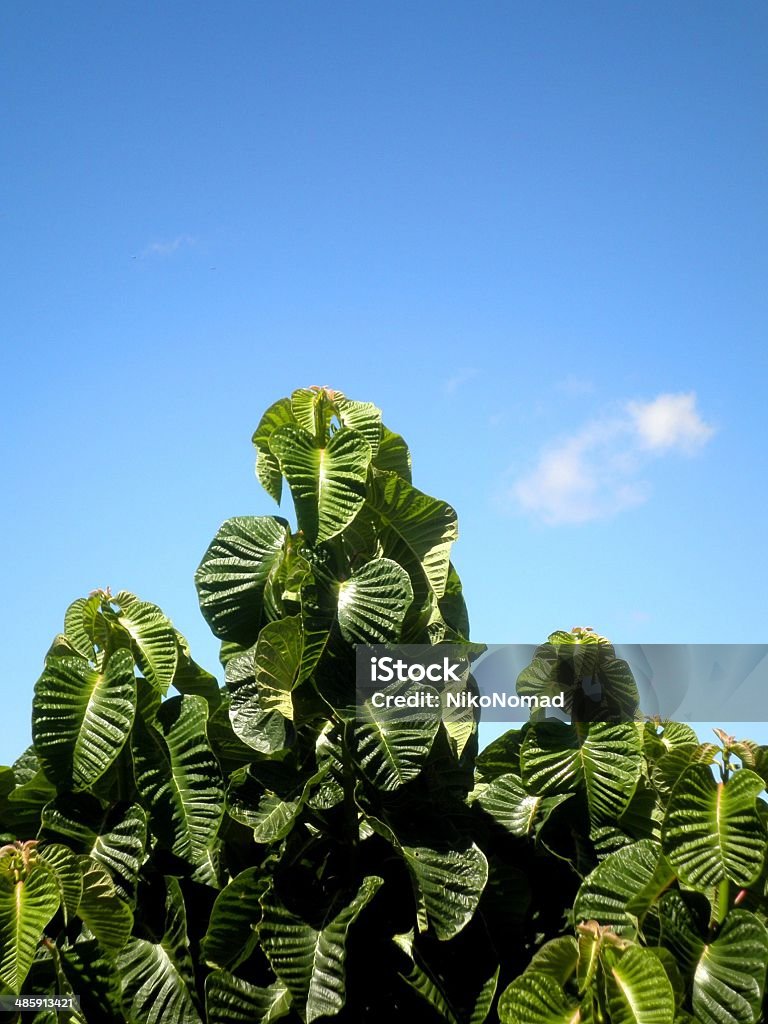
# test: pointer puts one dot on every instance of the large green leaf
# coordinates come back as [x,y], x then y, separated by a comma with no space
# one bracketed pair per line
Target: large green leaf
[310,961]
[81,717]
[729,979]
[231,936]
[115,837]
[92,973]
[392,746]
[393,455]
[364,417]
[624,886]
[84,628]
[417,531]
[68,873]
[537,998]
[20,809]
[312,410]
[262,680]
[373,602]
[327,483]
[270,812]
[448,886]
[180,781]
[158,977]
[728,971]
[637,988]
[230,1000]
[267,466]
[153,638]
[712,831]
[511,806]
[29,897]
[596,685]
[258,726]
[447,881]
[242,557]
[107,916]
[602,759]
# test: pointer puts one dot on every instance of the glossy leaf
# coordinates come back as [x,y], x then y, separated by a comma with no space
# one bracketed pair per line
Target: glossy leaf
[712,830]
[158,977]
[81,717]
[373,602]
[308,960]
[234,571]
[180,781]
[327,481]
[29,897]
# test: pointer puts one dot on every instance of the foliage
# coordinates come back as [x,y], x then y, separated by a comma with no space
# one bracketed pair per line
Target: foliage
[185,852]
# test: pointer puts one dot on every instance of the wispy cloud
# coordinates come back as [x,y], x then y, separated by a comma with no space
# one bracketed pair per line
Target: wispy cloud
[165,247]
[461,377]
[598,472]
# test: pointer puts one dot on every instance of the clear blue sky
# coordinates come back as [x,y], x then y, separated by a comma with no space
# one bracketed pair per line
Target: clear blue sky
[534,234]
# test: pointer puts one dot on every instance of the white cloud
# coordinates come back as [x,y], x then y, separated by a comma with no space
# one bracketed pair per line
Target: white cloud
[168,246]
[597,472]
[670,422]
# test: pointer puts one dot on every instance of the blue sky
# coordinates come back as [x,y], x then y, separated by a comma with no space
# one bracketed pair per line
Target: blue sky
[534,234]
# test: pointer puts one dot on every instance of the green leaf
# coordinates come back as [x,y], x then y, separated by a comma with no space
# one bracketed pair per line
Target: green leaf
[313,410]
[602,759]
[712,831]
[68,873]
[392,748]
[447,882]
[267,466]
[393,455]
[101,908]
[262,680]
[83,627]
[230,1000]
[231,936]
[180,781]
[363,417]
[637,988]
[81,717]
[230,580]
[448,885]
[92,973]
[728,972]
[511,806]
[416,531]
[271,813]
[310,961]
[623,887]
[115,837]
[537,998]
[484,999]
[29,897]
[153,638]
[20,811]
[327,483]
[729,979]
[423,981]
[262,728]
[158,977]
[373,602]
